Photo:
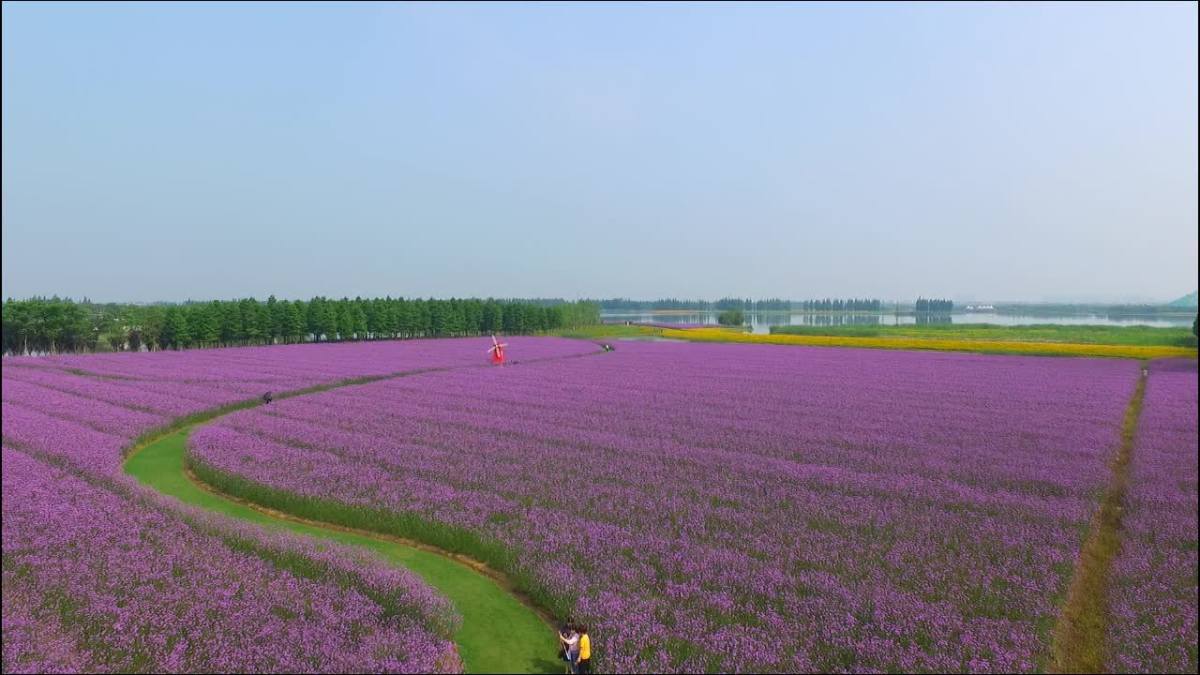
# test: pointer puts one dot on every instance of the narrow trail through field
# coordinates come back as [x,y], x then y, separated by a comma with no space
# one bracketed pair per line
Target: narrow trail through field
[500,632]
[1079,639]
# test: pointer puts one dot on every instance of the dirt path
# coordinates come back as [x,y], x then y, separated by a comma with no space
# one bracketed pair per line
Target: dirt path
[1079,637]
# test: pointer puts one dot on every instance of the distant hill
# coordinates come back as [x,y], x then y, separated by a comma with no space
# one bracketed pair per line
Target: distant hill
[1188,300]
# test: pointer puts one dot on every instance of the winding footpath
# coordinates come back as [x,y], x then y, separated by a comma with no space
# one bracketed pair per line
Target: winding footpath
[501,632]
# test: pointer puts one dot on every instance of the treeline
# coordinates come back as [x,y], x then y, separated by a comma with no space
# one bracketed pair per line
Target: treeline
[617,304]
[744,304]
[748,305]
[1089,309]
[934,306]
[48,325]
[836,305]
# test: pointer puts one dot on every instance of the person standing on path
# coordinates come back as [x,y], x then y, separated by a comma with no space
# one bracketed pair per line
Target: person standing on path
[569,643]
[584,664]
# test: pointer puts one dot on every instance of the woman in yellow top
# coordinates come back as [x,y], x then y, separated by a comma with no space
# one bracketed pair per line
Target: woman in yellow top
[584,664]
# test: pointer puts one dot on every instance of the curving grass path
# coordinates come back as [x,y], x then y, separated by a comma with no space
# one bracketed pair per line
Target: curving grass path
[499,633]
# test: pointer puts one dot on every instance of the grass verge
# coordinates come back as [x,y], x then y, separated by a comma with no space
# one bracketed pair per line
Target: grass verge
[498,633]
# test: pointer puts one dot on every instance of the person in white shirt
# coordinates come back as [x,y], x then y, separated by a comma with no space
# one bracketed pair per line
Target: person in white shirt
[568,640]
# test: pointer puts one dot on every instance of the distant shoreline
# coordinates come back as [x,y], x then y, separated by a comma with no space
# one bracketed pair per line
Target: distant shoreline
[1024,310]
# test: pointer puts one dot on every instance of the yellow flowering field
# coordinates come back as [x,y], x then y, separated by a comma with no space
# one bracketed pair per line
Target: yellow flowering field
[984,346]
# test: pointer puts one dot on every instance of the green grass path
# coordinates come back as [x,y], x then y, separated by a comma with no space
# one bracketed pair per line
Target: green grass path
[499,634]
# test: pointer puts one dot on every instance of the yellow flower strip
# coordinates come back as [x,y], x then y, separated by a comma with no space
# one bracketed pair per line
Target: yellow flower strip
[983,346]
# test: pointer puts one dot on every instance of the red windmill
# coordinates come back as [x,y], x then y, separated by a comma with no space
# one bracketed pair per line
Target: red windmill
[497,351]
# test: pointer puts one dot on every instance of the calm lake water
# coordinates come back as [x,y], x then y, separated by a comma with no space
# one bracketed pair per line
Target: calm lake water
[762,322]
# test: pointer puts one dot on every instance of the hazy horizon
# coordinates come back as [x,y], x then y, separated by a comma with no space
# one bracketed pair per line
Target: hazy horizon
[1037,152]
[959,300]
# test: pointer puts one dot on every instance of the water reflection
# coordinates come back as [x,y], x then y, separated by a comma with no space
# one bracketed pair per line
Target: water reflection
[828,320]
[761,322]
[927,319]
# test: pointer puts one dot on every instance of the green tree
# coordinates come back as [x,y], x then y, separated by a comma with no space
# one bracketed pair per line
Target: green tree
[358,321]
[491,319]
[293,322]
[55,324]
[275,318]
[327,320]
[176,332]
[345,319]
[312,318]
[149,320]
[204,320]
[731,317]
[18,326]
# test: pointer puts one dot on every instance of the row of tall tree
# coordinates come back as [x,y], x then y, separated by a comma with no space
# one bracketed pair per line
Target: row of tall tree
[749,305]
[744,304]
[625,304]
[839,305]
[48,325]
[1113,311]
[934,306]
[768,304]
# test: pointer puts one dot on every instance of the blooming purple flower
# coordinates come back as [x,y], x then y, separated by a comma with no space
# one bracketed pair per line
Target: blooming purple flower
[101,574]
[1154,578]
[735,507]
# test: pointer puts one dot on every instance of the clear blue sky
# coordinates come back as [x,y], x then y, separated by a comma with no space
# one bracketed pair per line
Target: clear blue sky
[988,151]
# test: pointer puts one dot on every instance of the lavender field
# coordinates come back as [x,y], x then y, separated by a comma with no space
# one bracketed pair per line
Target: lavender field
[720,507]
[99,579]
[600,337]
[704,507]
[101,574]
[1154,577]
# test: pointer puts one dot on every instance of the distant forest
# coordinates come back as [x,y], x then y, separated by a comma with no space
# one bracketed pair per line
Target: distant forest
[41,325]
[933,306]
[744,304]
[1090,309]
[827,305]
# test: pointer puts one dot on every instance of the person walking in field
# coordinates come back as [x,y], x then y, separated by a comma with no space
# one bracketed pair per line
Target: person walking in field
[584,663]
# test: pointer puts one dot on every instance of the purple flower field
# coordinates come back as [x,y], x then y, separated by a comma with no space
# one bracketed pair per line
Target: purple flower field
[1154,577]
[101,574]
[731,507]
[701,506]
[125,585]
